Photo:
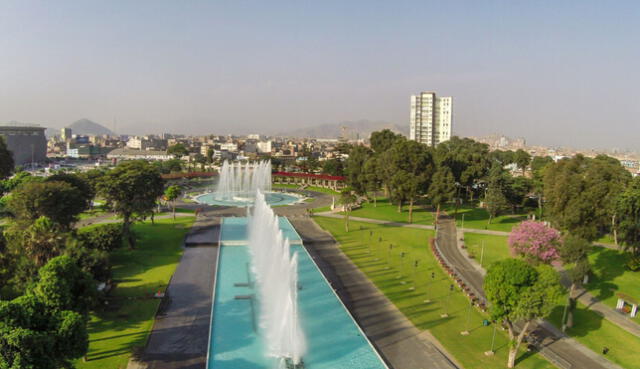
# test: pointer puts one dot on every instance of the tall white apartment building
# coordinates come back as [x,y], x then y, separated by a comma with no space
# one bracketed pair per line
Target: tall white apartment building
[431,118]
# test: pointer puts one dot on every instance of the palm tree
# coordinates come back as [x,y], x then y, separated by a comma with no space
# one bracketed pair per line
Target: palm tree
[348,199]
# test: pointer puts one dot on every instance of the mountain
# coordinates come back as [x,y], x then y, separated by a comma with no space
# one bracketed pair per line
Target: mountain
[87,127]
[351,130]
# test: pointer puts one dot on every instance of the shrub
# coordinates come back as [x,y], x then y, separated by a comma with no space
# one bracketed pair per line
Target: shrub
[106,237]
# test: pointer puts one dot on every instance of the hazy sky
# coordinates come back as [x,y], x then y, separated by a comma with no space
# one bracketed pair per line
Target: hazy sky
[555,72]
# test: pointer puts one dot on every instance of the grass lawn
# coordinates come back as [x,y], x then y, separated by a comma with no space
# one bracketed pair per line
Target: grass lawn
[607,238]
[495,247]
[595,332]
[127,320]
[368,247]
[610,276]
[386,211]
[478,218]
[309,188]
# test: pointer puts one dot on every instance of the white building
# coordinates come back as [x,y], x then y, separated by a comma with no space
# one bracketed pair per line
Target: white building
[229,146]
[264,147]
[431,118]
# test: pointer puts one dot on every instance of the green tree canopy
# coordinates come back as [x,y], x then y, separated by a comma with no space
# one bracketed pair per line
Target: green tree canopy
[522,159]
[580,194]
[382,141]
[354,169]
[333,167]
[33,335]
[172,193]
[62,285]
[61,202]
[178,150]
[443,187]
[7,164]
[131,190]
[628,208]
[468,160]
[518,292]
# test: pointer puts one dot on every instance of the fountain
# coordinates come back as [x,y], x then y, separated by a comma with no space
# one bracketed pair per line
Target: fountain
[239,182]
[275,270]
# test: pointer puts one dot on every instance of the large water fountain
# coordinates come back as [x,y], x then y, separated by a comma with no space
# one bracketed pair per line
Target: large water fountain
[238,183]
[241,181]
[275,270]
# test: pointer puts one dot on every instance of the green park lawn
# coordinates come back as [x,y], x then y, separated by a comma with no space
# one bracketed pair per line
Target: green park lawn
[475,218]
[611,277]
[309,188]
[478,218]
[384,210]
[367,245]
[495,247]
[595,332]
[126,321]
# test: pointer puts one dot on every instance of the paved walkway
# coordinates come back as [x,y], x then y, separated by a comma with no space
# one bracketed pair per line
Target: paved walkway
[556,347]
[401,344]
[584,296]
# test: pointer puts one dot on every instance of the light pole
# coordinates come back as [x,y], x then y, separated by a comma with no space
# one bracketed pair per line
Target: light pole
[389,255]
[493,339]
[433,278]
[401,266]
[466,331]
[446,305]
[481,253]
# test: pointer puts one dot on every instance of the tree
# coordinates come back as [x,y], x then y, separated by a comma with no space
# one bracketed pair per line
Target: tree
[495,200]
[92,261]
[628,208]
[104,237]
[200,159]
[7,164]
[518,292]
[131,190]
[58,201]
[516,190]
[536,242]
[522,159]
[382,141]
[171,194]
[575,251]
[503,157]
[347,199]
[538,167]
[79,183]
[32,335]
[411,167]
[373,177]
[468,160]
[354,169]
[92,177]
[580,194]
[443,187]
[40,241]
[333,167]
[178,150]
[62,285]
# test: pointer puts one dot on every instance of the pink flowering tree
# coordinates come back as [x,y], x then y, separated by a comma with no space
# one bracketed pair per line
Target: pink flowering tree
[536,242]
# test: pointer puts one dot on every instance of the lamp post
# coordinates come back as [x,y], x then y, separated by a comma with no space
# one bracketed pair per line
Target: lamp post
[401,266]
[466,331]
[446,305]
[481,253]
[433,277]
[493,339]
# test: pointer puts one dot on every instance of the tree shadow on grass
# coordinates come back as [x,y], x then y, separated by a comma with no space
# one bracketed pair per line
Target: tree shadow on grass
[607,265]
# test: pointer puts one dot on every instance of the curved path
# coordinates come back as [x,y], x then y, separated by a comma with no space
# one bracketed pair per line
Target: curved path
[557,348]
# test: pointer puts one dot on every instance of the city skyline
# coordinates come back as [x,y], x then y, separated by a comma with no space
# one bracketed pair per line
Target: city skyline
[545,71]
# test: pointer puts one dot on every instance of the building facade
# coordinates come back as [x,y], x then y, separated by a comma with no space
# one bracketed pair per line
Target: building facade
[431,118]
[27,143]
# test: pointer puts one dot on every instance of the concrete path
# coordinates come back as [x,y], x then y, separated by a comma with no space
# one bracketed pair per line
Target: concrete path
[180,334]
[401,344]
[329,214]
[556,347]
[108,219]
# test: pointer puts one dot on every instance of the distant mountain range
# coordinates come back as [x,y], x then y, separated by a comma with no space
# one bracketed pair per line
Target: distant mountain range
[349,129]
[83,127]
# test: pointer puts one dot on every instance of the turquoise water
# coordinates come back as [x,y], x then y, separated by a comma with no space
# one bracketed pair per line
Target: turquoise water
[333,338]
[273,199]
[234,231]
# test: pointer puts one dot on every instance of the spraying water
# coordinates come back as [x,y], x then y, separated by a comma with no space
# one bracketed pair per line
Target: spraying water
[276,274]
[241,181]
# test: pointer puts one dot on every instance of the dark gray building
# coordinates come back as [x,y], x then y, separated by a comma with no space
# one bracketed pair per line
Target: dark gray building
[27,143]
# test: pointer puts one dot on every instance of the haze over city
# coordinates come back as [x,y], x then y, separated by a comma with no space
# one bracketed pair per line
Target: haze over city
[554,73]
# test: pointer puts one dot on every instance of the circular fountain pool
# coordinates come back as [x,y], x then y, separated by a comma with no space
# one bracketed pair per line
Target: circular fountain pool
[273,199]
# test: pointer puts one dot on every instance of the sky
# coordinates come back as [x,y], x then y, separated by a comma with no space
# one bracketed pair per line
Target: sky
[554,72]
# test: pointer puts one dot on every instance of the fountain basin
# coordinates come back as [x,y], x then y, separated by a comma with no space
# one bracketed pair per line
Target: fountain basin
[334,340]
[273,199]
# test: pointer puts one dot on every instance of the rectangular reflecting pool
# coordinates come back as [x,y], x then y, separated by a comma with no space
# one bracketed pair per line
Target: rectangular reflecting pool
[334,341]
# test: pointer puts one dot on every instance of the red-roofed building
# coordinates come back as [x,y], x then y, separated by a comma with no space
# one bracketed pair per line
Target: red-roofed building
[318,180]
